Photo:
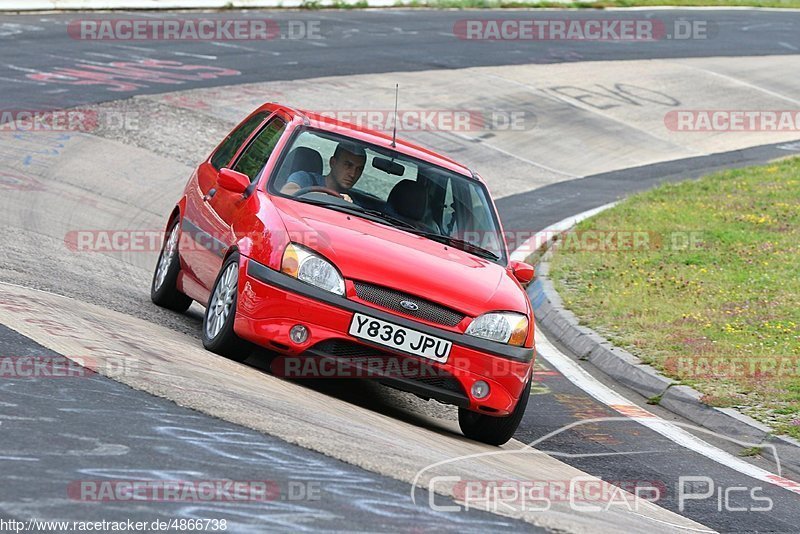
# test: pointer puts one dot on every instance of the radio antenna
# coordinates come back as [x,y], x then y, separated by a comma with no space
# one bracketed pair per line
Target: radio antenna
[394,130]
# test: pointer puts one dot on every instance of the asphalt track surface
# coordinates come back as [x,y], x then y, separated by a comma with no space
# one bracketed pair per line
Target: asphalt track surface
[614,451]
[357,42]
[78,429]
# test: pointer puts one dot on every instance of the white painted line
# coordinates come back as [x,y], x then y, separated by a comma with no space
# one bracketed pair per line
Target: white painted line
[21,81]
[198,56]
[231,45]
[602,393]
[754,26]
[98,54]
[596,389]
[744,83]
[137,48]
[790,146]
[22,69]
[584,107]
[544,237]
[515,156]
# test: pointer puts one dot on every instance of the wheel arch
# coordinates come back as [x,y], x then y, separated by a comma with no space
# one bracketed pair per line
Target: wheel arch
[177,212]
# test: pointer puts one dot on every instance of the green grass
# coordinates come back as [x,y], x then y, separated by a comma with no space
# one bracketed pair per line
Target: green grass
[599,4]
[517,4]
[336,4]
[712,295]
[751,451]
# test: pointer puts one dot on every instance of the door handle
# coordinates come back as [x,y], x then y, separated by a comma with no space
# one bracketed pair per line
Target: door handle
[208,196]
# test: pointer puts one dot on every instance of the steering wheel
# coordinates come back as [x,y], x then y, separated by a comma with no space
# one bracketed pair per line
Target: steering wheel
[317,189]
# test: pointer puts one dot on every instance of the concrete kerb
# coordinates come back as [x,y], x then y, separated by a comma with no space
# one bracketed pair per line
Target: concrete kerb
[585,343]
[629,370]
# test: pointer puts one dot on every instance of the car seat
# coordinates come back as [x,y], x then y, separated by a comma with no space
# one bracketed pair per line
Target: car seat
[299,159]
[409,201]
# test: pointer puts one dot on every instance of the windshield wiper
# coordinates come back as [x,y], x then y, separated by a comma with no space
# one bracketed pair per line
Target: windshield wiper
[387,217]
[466,246]
[358,210]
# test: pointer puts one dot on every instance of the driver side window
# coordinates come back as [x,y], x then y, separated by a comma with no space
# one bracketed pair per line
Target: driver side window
[228,148]
[257,153]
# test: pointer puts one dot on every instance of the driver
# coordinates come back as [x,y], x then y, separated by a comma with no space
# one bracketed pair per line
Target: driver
[347,164]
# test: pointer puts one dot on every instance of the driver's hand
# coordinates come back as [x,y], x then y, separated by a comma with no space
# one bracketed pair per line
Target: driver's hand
[346,197]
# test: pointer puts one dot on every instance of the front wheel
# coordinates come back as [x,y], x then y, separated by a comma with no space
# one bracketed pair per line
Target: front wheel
[163,289]
[494,430]
[218,334]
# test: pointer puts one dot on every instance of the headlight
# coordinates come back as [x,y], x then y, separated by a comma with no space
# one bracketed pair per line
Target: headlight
[299,262]
[509,328]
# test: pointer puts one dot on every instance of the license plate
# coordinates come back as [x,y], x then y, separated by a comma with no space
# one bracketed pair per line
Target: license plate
[400,338]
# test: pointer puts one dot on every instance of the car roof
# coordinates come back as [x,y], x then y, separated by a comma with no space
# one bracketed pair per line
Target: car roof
[327,123]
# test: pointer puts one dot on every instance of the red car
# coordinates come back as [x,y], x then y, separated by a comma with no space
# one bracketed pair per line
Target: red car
[350,253]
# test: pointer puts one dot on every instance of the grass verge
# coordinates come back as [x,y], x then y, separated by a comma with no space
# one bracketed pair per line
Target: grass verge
[598,4]
[702,280]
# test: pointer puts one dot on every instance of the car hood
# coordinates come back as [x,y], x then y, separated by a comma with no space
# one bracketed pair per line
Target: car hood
[380,254]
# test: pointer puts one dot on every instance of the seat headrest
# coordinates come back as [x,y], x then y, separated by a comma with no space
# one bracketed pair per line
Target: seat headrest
[408,199]
[305,159]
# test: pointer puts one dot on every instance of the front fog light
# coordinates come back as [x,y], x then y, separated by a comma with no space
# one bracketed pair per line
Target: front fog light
[298,334]
[480,389]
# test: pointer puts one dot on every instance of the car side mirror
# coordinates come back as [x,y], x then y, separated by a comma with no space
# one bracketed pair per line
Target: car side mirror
[522,271]
[234,181]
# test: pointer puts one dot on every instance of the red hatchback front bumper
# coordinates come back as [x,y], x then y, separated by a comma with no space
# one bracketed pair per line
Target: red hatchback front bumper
[271,303]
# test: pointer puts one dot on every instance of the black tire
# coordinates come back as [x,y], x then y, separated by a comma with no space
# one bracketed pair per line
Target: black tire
[222,339]
[494,430]
[165,293]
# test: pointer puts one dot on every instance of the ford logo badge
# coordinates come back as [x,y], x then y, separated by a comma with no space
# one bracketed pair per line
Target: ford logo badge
[407,304]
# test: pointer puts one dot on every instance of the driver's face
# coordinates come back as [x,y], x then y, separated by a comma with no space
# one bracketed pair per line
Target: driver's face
[347,169]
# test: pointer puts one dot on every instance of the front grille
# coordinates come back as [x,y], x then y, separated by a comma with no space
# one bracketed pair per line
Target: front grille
[390,299]
[406,368]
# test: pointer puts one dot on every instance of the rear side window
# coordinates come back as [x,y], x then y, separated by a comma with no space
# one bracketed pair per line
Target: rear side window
[257,153]
[228,148]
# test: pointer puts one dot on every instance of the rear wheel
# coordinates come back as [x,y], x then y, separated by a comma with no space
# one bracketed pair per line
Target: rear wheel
[218,334]
[163,289]
[494,430]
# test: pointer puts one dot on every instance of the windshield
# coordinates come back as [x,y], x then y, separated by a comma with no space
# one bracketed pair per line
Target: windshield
[379,183]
